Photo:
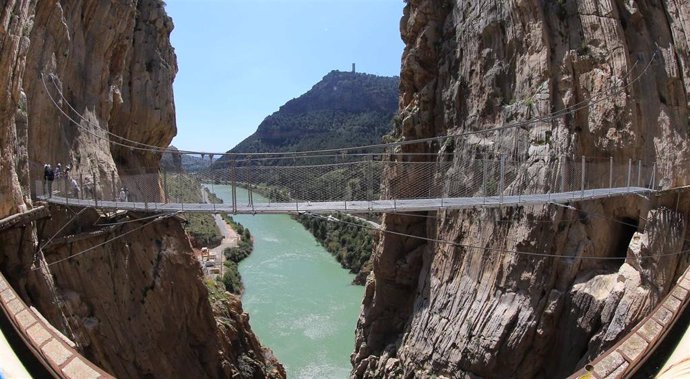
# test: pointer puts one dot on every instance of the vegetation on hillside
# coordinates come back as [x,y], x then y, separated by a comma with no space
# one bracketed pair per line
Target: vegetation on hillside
[234,255]
[201,228]
[343,109]
[349,241]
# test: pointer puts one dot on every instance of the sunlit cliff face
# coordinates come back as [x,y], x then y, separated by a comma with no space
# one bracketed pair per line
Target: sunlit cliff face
[110,67]
[437,309]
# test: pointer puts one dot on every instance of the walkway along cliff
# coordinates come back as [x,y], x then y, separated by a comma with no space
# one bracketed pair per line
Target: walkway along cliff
[136,306]
[597,79]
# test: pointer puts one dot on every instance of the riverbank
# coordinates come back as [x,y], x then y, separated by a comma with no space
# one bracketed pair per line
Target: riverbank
[236,245]
[347,238]
[300,300]
[232,256]
[230,240]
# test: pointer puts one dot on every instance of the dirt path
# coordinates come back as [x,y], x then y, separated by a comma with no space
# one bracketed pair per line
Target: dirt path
[230,238]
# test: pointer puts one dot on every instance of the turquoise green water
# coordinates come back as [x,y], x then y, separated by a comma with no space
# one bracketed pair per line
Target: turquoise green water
[300,301]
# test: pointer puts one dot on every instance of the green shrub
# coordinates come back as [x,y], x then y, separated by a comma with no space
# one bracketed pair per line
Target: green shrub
[350,243]
[234,255]
[232,279]
[200,227]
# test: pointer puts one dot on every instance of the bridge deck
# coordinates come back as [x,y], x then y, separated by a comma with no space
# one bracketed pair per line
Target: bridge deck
[409,205]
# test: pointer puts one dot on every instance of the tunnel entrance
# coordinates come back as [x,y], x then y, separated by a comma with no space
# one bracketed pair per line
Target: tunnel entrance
[627,226]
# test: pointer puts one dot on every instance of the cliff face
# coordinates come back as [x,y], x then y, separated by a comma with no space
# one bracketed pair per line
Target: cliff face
[108,68]
[133,298]
[436,308]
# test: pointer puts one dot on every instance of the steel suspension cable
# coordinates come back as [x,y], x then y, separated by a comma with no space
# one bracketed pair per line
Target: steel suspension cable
[498,250]
[549,117]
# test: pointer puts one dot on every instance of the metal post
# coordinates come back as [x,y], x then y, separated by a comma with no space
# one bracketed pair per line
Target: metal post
[629,172]
[582,183]
[370,178]
[503,172]
[165,186]
[213,191]
[66,189]
[639,172]
[484,178]
[233,173]
[610,174]
[112,184]
[563,163]
[249,186]
[653,176]
[81,185]
[95,190]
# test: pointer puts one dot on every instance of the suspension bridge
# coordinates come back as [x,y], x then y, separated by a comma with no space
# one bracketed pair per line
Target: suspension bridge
[347,181]
[358,186]
[354,207]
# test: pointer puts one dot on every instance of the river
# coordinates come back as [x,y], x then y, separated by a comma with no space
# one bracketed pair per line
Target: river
[300,301]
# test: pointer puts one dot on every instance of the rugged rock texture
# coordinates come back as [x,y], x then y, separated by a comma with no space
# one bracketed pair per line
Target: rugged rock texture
[109,70]
[138,306]
[129,294]
[621,69]
[14,45]
[171,160]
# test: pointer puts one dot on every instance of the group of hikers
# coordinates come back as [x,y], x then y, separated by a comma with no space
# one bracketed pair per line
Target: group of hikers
[51,174]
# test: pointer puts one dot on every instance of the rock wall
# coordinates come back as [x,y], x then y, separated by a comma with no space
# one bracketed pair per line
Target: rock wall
[101,78]
[619,69]
[133,297]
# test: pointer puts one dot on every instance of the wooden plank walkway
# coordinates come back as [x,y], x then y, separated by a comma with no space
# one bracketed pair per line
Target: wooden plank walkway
[50,347]
[631,351]
[20,219]
[407,205]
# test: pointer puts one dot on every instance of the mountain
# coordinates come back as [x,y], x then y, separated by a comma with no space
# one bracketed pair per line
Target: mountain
[343,109]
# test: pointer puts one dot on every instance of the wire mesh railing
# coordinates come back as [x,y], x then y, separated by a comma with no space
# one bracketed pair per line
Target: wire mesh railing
[364,178]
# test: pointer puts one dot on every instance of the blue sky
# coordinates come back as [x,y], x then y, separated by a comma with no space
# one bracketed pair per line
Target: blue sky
[239,61]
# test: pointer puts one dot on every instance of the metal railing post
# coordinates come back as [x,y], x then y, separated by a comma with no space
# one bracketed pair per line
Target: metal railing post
[165,186]
[370,178]
[639,172]
[653,176]
[112,184]
[582,183]
[520,187]
[563,163]
[81,185]
[66,189]
[610,174]
[501,181]
[248,178]
[629,172]
[95,189]
[249,186]
[484,178]
[233,178]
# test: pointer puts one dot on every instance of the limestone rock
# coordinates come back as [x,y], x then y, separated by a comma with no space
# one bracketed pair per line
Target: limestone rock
[129,295]
[475,309]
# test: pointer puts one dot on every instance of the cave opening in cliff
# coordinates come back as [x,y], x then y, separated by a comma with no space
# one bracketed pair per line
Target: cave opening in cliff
[627,226]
